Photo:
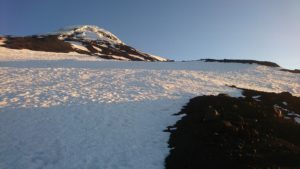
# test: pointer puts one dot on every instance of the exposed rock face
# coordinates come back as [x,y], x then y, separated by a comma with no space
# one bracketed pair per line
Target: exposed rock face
[260,130]
[265,63]
[291,71]
[48,43]
[85,39]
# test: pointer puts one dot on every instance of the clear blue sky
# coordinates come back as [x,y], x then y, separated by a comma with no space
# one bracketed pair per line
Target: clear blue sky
[180,30]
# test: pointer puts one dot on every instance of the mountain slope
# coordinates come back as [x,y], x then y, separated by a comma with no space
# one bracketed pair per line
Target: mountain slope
[84,39]
[107,114]
[60,112]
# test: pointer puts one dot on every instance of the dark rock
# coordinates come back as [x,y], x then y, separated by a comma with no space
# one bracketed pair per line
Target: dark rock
[49,44]
[291,71]
[265,63]
[245,133]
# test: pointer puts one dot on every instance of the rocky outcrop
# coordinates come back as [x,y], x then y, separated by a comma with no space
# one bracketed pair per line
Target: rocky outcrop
[260,130]
[265,63]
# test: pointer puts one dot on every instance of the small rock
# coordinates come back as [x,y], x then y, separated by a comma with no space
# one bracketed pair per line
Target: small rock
[211,115]
[227,123]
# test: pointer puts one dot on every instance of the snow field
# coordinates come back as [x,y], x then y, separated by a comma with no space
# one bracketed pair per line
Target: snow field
[111,115]
[106,136]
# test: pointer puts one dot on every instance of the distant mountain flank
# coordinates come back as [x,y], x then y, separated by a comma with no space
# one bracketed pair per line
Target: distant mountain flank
[84,39]
[291,71]
[265,63]
[95,41]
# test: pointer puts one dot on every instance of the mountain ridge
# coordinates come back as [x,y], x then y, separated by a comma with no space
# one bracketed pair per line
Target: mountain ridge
[84,39]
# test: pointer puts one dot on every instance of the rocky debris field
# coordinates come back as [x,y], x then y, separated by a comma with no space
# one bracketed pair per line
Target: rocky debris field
[259,130]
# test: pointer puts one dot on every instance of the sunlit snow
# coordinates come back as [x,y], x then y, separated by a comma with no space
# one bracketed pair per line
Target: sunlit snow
[89,32]
[107,114]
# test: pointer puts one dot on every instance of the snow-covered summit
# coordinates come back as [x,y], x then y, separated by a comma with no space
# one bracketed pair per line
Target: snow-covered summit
[83,39]
[88,32]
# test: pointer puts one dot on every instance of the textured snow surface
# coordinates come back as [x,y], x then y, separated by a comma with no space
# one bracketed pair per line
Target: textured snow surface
[105,136]
[76,114]
[25,54]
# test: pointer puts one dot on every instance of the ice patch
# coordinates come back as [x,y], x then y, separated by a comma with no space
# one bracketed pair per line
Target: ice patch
[136,56]
[98,49]
[256,98]
[119,57]
[2,41]
[297,120]
[235,93]
[293,114]
[89,35]
[78,45]
[158,58]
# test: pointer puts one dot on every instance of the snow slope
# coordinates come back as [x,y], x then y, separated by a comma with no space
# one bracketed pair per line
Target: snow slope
[77,114]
